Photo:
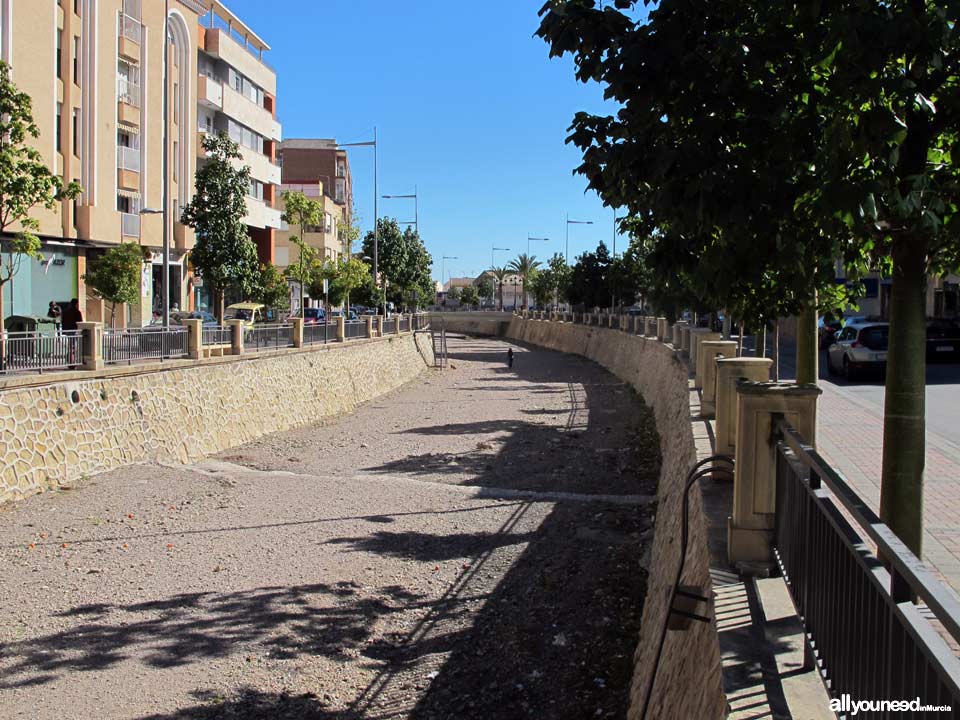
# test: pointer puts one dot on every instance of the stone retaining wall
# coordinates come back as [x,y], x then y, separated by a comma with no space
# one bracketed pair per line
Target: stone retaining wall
[473,323]
[689,683]
[55,433]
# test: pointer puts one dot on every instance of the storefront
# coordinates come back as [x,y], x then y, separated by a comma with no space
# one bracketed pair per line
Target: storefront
[38,282]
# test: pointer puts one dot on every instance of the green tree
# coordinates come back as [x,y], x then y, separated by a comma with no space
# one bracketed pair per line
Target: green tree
[305,213]
[349,232]
[224,254]
[524,266]
[561,274]
[589,278]
[271,288]
[543,286]
[404,263]
[470,296]
[25,183]
[350,274]
[500,275]
[454,294]
[115,276]
[485,289]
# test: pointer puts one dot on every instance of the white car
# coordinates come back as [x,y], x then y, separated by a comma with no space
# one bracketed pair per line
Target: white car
[859,346]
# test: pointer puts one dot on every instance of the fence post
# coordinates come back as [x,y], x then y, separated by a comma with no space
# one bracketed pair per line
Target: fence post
[368,319]
[710,352]
[697,337]
[194,338]
[341,328]
[678,333]
[685,339]
[297,331]
[730,371]
[751,527]
[236,337]
[663,329]
[396,324]
[92,345]
[410,322]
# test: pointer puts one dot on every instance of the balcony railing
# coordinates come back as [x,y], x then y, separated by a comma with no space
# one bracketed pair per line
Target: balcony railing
[130,28]
[130,224]
[128,92]
[311,190]
[128,159]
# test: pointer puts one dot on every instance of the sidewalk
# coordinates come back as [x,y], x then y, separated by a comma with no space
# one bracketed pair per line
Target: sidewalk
[850,437]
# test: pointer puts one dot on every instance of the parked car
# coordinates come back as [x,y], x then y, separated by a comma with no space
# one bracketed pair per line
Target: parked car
[250,313]
[339,313]
[858,347]
[943,340]
[827,331]
[312,316]
[208,319]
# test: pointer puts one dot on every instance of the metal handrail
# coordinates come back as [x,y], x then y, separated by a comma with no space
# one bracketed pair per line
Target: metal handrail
[39,352]
[908,566]
[132,344]
[217,335]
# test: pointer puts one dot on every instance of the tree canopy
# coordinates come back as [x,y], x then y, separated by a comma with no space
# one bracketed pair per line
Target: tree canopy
[404,264]
[115,276]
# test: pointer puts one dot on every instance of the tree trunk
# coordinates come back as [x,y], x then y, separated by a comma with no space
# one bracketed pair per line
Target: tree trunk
[904,426]
[740,341]
[220,309]
[775,350]
[760,341]
[808,347]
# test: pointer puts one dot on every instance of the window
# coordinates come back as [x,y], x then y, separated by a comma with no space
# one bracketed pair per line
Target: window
[176,161]
[341,169]
[124,204]
[255,189]
[58,130]
[341,190]
[76,60]
[76,6]
[76,132]
[59,53]
[176,102]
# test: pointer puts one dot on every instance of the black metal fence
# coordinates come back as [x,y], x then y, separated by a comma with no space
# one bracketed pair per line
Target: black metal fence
[139,344]
[404,321]
[319,333]
[217,336]
[39,352]
[421,321]
[267,337]
[865,635]
[353,329]
[389,326]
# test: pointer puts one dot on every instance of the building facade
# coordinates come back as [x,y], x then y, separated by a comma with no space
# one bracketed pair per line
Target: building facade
[309,162]
[94,70]
[324,238]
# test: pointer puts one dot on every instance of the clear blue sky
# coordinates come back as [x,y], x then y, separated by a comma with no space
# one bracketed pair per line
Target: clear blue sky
[468,106]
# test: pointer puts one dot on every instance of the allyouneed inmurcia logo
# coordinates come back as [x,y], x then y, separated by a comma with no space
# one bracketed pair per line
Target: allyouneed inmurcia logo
[846,704]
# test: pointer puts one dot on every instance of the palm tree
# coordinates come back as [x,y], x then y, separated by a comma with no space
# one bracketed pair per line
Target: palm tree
[500,276]
[524,266]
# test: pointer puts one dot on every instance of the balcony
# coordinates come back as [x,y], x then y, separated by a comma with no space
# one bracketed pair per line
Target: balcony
[261,215]
[210,92]
[260,166]
[130,35]
[130,225]
[219,44]
[128,168]
[128,102]
[247,112]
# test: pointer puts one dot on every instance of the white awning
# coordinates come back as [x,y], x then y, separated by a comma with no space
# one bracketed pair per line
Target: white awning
[132,194]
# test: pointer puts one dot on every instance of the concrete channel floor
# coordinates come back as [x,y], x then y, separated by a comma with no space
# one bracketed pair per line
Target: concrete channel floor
[468,546]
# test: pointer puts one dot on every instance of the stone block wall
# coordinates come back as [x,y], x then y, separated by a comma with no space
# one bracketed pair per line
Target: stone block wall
[55,433]
[689,683]
[493,324]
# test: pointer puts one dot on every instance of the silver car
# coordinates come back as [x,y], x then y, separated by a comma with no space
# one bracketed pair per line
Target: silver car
[859,346]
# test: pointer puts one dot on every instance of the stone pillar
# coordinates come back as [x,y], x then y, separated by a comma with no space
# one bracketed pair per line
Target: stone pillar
[297,332]
[730,371]
[710,351]
[194,338]
[663,329]
[685,340]
[410,323]
[341,328]
[697,358]
[236,337]
[677,333]
[368,319]
[698,335]
[611,319]
[396,324]
[92,345]
[751,527]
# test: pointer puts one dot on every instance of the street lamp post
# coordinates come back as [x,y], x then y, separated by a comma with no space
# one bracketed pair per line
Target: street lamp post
[443,265]
[537,239]
[569,223]
[416,202]
[376,195]
[492,250]
[165,280]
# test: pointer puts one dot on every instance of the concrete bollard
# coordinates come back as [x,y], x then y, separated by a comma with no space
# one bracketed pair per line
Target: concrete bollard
[194,338]
[751,526]
[663,326]
[685,340]
[697,357]
[710,352]
[396,324]
[236,337]
[730,371]
[341,328]
[92,333]
[297,332]
[698,335]
[611,319]
[368,320]
[678,333]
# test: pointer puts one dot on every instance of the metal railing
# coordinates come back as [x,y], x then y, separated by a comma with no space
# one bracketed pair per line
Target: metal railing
[40,352]
[217,335]
[128,158]
[353,329]
[268,337]
[389,326]
[128,92]
[404,323]
[138,344]
[421,321]
[864,633]
[130,28]
[319,333]
[130,224]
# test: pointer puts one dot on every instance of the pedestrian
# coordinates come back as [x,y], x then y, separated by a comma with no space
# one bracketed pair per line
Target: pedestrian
[510,357]
[72,317]
[55,314]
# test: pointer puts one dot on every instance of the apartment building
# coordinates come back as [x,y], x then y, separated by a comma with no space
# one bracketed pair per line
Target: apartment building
[324,238]
[94,72]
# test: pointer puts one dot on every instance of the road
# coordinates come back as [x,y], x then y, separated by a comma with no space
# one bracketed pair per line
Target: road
[464,547]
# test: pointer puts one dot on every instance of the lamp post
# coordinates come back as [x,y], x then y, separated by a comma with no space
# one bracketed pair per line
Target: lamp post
[165,280]
[376,195]
[443,264]
[537,239]
[416,202]
[493,250]
[569,223]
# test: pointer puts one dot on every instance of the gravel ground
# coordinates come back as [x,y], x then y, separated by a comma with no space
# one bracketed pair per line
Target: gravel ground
[468,546]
